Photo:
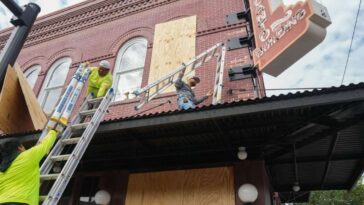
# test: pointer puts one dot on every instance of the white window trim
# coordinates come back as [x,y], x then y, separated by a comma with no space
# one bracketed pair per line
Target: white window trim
[117,71]
[34,68]
[44,91]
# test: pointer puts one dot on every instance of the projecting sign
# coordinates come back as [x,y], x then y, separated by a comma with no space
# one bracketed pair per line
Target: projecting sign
[283,34]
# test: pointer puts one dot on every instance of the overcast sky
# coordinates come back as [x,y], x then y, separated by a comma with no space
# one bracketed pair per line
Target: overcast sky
[322,67]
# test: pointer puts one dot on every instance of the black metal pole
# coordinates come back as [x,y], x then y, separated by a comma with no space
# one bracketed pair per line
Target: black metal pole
[23,20]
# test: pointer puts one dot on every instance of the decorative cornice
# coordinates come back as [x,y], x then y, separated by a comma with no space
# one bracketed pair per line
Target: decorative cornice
[102,12]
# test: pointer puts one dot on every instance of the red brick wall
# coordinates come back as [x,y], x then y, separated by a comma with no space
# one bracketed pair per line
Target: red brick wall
[103,40]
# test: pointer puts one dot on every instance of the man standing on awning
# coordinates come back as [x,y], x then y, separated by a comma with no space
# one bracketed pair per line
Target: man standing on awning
[186,96]
[100,80]
[19,170]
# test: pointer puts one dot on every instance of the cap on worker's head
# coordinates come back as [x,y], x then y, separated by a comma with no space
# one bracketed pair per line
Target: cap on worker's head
[8,152]
[9,145]
[197,79]
[105,64]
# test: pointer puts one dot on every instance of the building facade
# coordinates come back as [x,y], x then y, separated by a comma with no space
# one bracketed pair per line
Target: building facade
[122,32]
[160,155]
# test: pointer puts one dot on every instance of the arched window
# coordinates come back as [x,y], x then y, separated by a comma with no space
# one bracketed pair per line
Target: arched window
[53,84]
[129,67]
[32,75]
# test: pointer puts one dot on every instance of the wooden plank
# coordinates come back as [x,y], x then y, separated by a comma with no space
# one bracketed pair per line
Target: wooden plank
[14,114]
[135,190]
[212,186]
[164,188]
[37,115]
[174,43]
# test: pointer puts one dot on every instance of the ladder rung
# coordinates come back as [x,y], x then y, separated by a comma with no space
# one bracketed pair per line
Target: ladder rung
[42,198]
[95,100]
[49,177]
[80,126]
[208,58]
[61,157]
[87,112]
[197,65]
[71,140]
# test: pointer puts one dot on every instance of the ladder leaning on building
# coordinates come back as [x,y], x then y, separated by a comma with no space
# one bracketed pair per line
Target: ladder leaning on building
[76,146]
[67,141]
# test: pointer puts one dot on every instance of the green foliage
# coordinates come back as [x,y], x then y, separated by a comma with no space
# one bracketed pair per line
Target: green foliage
[355,197]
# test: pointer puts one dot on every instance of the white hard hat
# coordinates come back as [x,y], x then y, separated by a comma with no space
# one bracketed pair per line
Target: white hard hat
[105,64]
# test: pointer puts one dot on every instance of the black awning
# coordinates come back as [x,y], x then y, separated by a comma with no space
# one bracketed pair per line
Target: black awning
[323,129]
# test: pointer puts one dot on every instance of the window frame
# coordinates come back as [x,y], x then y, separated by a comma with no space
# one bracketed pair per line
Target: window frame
[118,72]
[34,68]
[45,90]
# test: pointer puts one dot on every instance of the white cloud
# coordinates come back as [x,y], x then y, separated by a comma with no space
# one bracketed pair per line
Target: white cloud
[47,6]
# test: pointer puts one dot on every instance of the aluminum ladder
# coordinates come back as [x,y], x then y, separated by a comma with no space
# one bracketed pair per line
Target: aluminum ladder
[154,89]
[86,131]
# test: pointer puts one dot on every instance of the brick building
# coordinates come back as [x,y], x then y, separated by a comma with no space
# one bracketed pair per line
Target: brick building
[93,31]
[160,155]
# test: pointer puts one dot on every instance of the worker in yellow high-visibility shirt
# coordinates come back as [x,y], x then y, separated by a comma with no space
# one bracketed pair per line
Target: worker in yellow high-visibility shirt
[100,80]
[19,170]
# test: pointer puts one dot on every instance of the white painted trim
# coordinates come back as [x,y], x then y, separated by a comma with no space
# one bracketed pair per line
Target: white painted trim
[45,86]
[123,49]
[33,70]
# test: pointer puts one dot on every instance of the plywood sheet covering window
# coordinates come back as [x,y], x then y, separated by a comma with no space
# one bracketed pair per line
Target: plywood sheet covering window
[213,186]
[174,43]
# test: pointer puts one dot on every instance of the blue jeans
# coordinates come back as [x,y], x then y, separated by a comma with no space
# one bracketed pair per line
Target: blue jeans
[184,103]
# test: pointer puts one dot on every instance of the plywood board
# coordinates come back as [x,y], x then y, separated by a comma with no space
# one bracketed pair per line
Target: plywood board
[213,186]
[35,110]
[14,114]
[174,43]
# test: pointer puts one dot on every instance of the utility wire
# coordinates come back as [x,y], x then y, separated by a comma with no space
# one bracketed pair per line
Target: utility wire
[351,43]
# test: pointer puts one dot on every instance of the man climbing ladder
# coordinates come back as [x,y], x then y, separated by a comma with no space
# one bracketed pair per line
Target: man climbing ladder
[19,170]
[65,157]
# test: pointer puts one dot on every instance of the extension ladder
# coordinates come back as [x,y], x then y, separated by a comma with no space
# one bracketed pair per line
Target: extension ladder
[67,138]
[59,122]
[67,102]
[154,89]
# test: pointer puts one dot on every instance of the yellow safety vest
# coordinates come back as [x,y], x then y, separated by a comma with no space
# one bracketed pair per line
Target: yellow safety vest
[97,84]
[20,182]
